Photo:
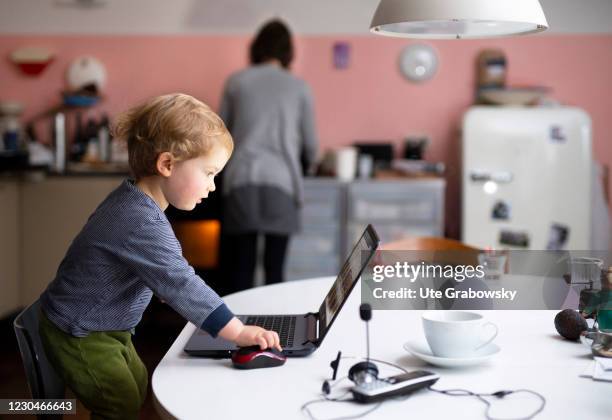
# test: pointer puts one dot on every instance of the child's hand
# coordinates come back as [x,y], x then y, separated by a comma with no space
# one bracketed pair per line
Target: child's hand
[251,335]
[248,335]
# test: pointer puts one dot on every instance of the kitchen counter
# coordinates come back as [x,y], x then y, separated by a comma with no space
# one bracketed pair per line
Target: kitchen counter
[122,170]
[73,169]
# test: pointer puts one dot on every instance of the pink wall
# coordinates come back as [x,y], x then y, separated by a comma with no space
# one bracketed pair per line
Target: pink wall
[368,101]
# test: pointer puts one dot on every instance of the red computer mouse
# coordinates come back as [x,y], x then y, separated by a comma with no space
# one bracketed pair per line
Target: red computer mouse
[253,357]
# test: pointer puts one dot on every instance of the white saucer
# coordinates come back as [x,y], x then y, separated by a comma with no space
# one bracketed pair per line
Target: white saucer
[422,351]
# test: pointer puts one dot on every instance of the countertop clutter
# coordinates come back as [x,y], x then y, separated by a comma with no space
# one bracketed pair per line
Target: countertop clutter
[78,132]
[365,160]
[81,143]
[395,169]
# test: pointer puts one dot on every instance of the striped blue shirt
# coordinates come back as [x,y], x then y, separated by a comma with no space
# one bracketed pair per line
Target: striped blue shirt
[127,251]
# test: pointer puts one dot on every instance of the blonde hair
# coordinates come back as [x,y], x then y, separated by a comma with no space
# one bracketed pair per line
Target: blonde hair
[175,123]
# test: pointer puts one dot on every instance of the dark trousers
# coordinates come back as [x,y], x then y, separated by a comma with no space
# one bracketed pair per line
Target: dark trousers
[239,257]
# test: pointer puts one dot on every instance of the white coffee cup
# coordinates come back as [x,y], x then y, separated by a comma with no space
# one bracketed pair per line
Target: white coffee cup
[457,333]
[346,163]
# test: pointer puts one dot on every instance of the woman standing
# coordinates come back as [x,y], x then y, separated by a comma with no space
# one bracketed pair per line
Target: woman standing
[269,113]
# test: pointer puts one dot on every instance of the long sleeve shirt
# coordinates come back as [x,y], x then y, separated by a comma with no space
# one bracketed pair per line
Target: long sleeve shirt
[270,114]
[125,253]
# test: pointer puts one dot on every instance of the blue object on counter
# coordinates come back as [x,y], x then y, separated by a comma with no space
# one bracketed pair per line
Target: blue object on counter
[80,100]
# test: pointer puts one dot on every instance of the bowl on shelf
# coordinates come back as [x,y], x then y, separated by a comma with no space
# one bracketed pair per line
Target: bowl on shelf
[513,96]
[31,60]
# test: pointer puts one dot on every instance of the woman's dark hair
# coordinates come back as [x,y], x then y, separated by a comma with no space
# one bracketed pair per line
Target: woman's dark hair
[272,41]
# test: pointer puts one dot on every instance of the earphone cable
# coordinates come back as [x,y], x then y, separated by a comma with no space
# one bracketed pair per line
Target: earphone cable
[327,399]
[458,392]
[368,341]
[341,398]
[499,394]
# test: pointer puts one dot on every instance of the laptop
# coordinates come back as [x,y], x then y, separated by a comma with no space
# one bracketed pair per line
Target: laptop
[299,334]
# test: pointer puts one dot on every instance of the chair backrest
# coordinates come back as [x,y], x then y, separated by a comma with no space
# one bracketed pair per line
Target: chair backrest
[427,244]
[43,381]
[440,251]
[433,249]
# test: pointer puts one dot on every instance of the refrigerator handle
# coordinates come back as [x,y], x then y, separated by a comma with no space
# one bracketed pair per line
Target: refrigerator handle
[501,177]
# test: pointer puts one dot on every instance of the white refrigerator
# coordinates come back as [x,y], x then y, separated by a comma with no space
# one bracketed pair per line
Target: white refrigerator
[527,178]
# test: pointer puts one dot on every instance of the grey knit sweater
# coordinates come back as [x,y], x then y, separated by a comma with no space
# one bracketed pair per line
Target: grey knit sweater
[269,113]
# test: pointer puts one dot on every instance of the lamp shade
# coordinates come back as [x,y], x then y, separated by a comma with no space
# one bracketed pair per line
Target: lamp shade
[447,19]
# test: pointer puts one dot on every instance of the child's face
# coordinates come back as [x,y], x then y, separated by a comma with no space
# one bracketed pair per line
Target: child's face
[191,180]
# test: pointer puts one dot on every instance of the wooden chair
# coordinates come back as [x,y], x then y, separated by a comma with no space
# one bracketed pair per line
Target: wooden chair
[435,250]
[427,244]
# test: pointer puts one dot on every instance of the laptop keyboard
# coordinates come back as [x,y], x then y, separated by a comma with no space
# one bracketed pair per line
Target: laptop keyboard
[283,325]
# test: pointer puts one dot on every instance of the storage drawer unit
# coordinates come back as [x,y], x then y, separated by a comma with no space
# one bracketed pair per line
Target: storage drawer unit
[316,250]
[335,214]
[396,208]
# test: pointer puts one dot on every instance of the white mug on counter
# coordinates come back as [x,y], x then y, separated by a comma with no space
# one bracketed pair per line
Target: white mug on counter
[457,334]
[346,163]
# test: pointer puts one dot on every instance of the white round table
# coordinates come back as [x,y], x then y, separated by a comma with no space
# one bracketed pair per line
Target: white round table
[532,356]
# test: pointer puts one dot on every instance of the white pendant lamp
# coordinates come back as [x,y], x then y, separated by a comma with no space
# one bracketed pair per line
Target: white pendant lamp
[447,19]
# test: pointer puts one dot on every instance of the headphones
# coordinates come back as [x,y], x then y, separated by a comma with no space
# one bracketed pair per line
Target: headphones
[362,372]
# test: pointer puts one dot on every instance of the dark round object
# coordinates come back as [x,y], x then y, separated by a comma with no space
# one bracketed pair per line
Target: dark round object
[365,311]
[570,324]
[363,372]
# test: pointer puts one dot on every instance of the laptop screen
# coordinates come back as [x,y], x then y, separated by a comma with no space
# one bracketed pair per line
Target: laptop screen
[347,278]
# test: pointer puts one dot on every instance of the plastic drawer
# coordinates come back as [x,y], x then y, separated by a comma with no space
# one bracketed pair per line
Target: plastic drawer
[419,209]
[389,232]
[323,202]
[396,201]
[303,267]
[325,240]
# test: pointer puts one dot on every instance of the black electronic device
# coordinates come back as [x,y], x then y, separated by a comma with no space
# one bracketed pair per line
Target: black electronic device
[393,386]
[382,153]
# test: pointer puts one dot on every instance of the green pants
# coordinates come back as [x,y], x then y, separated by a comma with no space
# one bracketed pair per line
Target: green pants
[103,369]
